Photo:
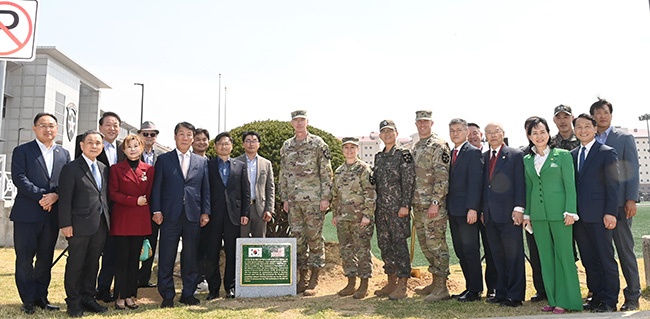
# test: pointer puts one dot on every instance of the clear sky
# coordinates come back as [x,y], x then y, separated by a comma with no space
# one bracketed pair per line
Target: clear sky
[352,63]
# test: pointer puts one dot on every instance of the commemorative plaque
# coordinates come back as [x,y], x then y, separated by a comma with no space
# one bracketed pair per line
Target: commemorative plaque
[266,267]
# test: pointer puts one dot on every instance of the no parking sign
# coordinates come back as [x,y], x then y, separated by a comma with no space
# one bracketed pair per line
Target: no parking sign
[17,30]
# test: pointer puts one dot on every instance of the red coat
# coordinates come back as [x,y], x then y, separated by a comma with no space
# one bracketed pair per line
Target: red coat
[125,186]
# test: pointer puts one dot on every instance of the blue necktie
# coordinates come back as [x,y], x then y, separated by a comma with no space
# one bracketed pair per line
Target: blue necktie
[582,158]
[98,178]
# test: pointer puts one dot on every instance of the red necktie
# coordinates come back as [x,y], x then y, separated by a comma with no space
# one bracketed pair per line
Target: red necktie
[493,162]
[454,157]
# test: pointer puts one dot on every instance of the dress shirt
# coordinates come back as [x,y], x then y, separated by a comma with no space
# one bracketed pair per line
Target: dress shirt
[111,152]
[148,157]
[251,166]
[98,177]
[181,158]
[587,148]
[602,137]
[48,156]
[224,169]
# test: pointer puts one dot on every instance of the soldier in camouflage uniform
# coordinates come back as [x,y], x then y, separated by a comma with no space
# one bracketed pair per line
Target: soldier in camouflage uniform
[432,157]
[394,175]
[353,209]
[305,182]
[565,138]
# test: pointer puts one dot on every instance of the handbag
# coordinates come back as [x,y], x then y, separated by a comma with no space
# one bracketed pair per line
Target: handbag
[146,252]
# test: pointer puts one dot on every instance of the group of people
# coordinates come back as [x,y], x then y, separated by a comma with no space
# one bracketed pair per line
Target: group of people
[580,187]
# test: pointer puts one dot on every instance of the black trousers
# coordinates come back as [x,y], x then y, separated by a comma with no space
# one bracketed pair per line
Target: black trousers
[144,274]
[220,228]
[490,269]
[597,255]
[127,255]
[507,245]
[465,238]
[107,271]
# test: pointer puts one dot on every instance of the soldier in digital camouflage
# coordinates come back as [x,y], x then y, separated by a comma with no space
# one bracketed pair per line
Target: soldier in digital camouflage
[353,209]
[394,176]
[432,157]
[563,119]
[305,191]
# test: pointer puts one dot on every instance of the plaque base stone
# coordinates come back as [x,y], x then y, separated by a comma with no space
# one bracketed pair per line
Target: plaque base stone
[265,267]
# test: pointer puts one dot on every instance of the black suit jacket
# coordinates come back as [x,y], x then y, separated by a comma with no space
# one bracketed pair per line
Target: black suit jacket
[507,187]
[102,156]
[465,181]
[237,190]
[81,203]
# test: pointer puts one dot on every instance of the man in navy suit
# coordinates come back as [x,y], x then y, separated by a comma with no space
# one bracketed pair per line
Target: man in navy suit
[597,190]
[230,202]
[503,202]
[180,203]
[628,196]
[463,200]
[35,168]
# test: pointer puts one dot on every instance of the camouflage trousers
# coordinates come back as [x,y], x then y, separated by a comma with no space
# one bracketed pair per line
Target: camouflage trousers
[432,238]
[354,245]
[392,232]
[306,221]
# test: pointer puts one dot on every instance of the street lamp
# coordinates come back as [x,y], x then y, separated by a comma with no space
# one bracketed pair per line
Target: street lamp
[225,107]
[141,102]
[646,118]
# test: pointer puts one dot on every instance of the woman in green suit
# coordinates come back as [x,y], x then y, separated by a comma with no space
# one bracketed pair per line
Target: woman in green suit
[551,212]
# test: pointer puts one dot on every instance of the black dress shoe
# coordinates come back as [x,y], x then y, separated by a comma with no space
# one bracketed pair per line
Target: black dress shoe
[212,295]
[231,293]
[105,296]
[538,297]
[511,303]
[456,296]
[75,311]
[630,305]
[591,305]
[93,306]
[27,308]
[147,285]
[44,304]
[470,296]
[603,307]
[167,303]
[494,300]
[189,300]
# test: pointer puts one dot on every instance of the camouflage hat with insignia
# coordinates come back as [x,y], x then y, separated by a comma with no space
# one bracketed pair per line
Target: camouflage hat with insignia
[387,124]
[299,113]
[350,140]
[562,108]
[423,115]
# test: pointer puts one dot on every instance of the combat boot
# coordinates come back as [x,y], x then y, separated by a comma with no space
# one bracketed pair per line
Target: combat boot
[349,289]
[400,290]
[391,284]
[302,281]
[426,290]
[362,292]
[440,292]
[312,288]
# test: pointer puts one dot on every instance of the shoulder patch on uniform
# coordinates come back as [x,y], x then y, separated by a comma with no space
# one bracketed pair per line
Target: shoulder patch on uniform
[445,157]
[372,179]
[326,153]
[406,155]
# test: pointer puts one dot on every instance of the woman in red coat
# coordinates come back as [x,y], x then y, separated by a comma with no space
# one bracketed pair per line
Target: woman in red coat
[129,188]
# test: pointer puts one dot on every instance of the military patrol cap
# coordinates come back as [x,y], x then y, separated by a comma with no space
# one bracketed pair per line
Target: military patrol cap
[387,124]
[562,108]
[299,113]
[423,115]
[350,140]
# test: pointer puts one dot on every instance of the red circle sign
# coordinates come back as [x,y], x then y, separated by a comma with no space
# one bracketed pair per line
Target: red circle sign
[20,43]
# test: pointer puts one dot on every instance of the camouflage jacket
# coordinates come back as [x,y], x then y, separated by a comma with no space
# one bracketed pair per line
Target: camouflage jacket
[394,176]
[568,144]
[432,157]
[305,170]
[353,194]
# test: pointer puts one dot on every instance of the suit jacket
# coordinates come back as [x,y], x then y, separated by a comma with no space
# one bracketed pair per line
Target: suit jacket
[237,190]
[29,174]
[124,188]
[81,203]
[597,183]
[102,156]
[553,191]
[465,181]
[507,188]
[172,194]
[264,185]
[628,164]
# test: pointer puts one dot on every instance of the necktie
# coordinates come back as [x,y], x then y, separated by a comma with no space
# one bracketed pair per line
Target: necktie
[454,157]
[493,162]
[98,178]
[582,158]
[185,165]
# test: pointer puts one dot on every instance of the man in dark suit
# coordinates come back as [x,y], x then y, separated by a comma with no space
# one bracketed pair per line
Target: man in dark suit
[84,221]
[35,168]
[503,202]
[229,201]
[148,133]
[628,196]
[262,186]
[180,203]
[597,190]
[463,200]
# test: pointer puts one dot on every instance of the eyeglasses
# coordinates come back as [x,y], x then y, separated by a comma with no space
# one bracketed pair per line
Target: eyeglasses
[147,134]
[50,126]
[251,141]
[224,144]
[452,132]
[493,132]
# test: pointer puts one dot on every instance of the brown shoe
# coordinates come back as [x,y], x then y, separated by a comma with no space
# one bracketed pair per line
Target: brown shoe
[440,291]
[312,288]
[400,290]
[390,286]
[302,281]
[349,289]
[362,292]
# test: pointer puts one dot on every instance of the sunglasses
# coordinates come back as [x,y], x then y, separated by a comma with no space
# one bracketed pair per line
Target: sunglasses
[147,134]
